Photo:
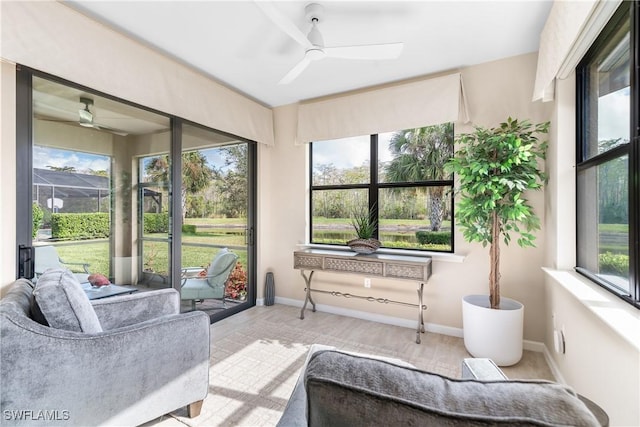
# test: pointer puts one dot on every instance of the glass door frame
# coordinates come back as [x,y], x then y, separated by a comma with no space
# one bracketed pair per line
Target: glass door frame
[176,226]
[24,181]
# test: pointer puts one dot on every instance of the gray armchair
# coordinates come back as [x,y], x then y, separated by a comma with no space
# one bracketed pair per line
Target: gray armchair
[143,359]
[195,287]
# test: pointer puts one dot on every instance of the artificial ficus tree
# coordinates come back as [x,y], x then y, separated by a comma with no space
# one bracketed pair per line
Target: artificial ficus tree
[495,168]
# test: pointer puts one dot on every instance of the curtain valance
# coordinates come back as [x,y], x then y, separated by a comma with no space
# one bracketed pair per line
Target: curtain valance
[571,28]
[402,106]
[51,37]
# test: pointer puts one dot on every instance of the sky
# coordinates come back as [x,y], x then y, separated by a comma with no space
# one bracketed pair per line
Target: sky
[614,115]
[347,153]
[43,157]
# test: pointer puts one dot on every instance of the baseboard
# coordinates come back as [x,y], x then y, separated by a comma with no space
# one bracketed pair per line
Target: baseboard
[406,323]
[551,362]
[534,346]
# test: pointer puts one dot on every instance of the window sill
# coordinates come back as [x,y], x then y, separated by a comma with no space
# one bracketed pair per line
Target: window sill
[435,256]
[619,316]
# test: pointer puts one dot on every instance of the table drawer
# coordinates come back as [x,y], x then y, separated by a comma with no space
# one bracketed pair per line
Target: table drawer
[307,262]
[354,266]
[405,271]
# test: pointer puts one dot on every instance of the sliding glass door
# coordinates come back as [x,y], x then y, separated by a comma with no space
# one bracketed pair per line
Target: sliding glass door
[215,230]
[147,200]
[84,155]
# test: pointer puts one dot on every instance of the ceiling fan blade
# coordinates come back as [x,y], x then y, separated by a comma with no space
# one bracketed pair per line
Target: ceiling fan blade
[283,22]
[107,129]
[295,71]
[85,125]
[113,131]
[371,51]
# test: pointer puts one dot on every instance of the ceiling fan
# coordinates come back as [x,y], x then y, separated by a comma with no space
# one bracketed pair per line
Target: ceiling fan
[313,42]
[85,117]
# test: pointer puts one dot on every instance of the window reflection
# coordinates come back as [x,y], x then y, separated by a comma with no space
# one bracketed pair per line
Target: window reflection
[85,163]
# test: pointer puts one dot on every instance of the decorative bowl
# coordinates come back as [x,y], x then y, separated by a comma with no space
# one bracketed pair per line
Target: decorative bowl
[364,246]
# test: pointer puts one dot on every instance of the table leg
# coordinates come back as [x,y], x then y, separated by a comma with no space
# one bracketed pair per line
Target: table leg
[420,314]
[307,297]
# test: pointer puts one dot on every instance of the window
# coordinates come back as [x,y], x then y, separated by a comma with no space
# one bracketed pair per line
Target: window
[398,176]
[608,164]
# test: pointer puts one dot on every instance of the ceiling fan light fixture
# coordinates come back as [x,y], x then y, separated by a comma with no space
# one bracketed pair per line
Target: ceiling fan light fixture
[85,115]
[86,118]
[314,54]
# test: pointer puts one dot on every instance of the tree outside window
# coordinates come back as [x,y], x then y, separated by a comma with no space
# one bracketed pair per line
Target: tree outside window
[399,176]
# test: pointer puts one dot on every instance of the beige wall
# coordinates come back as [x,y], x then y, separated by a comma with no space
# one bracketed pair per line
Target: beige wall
[494,91]
[62,42]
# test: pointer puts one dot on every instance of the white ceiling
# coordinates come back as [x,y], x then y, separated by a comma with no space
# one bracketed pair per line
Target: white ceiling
[238,45]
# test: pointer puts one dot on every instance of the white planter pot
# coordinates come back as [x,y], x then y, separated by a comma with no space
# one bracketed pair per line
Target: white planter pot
[495,334]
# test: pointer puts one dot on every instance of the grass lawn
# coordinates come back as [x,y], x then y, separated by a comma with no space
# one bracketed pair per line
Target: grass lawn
[230,232]
[156,253]
[95,253]
[394,233]
[346,222]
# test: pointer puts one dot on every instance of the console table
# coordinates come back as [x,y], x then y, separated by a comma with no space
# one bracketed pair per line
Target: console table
[417,269]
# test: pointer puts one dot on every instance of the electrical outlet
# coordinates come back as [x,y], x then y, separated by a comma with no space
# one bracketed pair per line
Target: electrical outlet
[367,282]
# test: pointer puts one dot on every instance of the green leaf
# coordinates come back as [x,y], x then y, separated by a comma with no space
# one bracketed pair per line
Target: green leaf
[494,168]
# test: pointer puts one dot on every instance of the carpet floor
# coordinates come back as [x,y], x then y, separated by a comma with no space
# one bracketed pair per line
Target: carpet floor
[256,357]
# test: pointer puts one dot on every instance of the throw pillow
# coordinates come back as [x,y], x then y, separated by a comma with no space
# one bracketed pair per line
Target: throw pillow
[63,302]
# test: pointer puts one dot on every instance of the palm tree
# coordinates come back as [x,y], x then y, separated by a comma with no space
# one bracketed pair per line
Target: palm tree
[420,155]
[196,173]
[232,184]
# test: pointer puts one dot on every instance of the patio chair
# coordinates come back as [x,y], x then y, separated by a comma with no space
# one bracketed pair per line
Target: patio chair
[46,257]
[212,286]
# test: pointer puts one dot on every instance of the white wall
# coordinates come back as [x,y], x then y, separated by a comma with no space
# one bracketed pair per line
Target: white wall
[602,333]
[8,165]
[600,362]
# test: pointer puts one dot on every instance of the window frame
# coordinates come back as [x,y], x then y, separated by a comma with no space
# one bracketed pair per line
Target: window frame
[630,11]
[373,187]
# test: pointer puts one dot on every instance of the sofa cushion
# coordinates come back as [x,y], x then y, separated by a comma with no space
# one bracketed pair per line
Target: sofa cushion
[63,303]
[347,390]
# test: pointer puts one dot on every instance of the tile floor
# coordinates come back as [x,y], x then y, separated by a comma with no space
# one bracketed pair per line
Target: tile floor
[256,358]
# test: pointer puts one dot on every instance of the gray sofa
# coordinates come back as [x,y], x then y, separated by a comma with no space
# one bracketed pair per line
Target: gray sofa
[117,361]
[338,388]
